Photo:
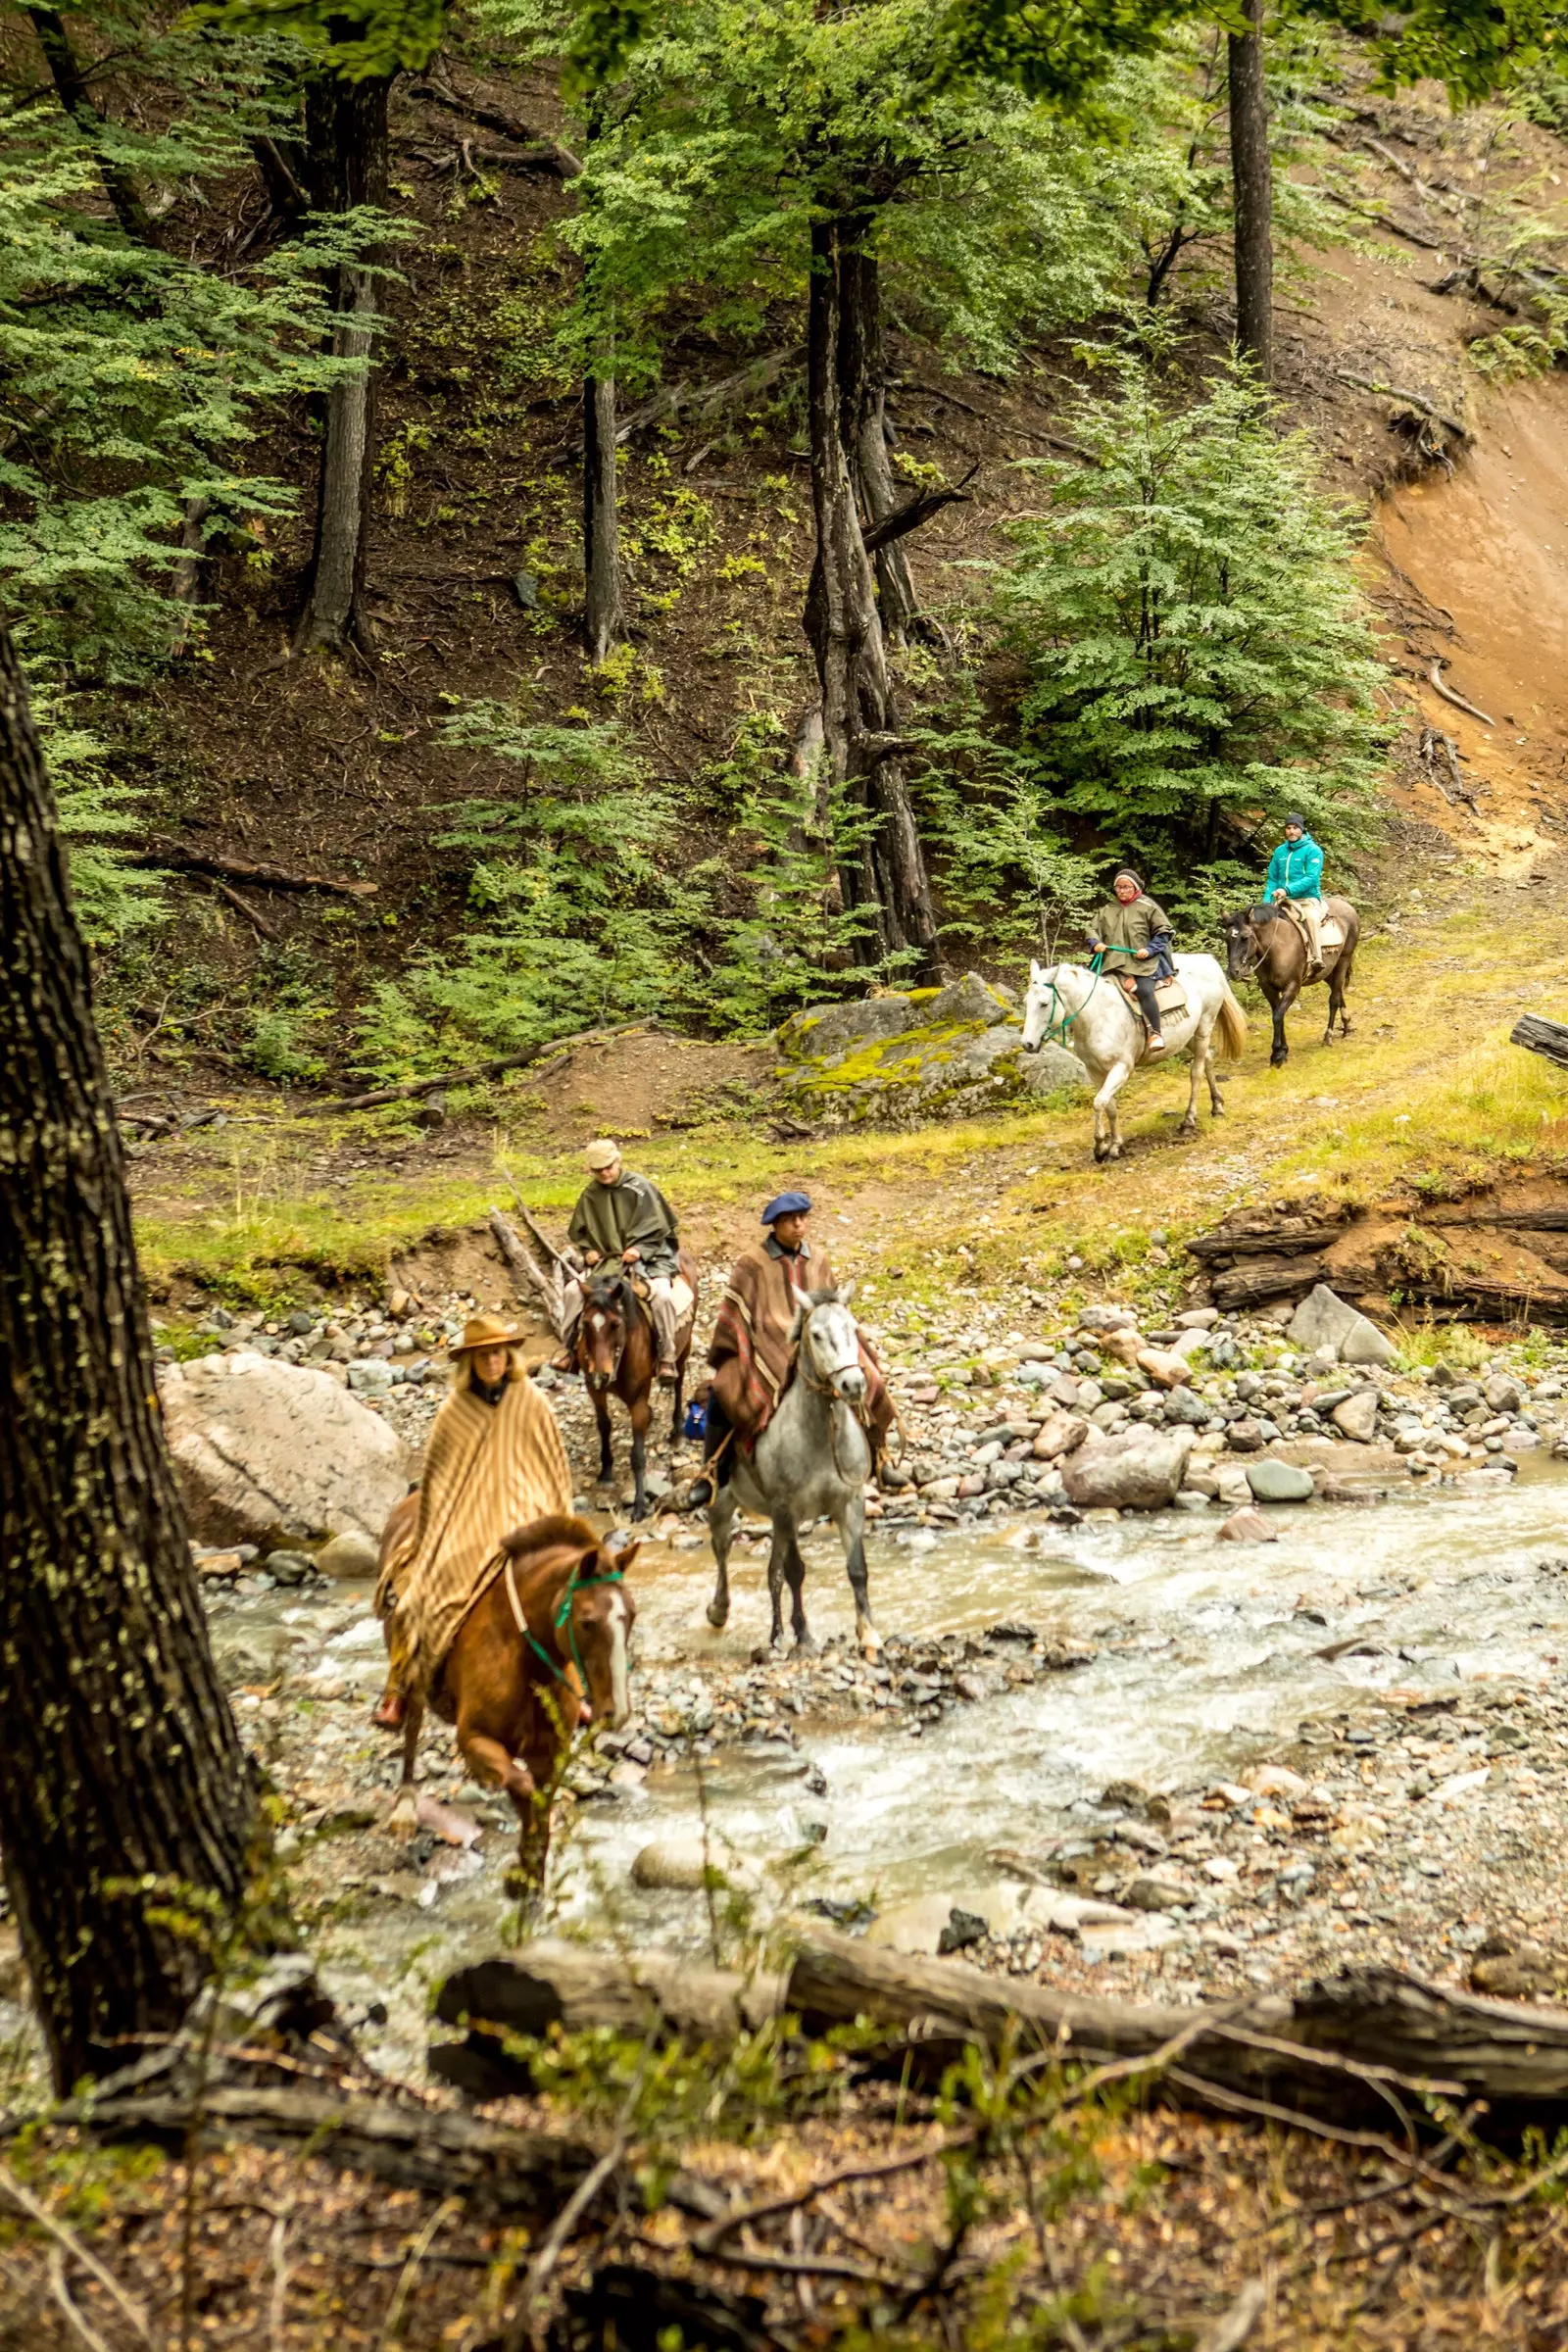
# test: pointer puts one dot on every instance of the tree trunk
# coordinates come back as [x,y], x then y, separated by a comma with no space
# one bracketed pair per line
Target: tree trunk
[859,711]
[1252,187]
[70,88]
[862,400]
[346,137]
[604,604]
[120,1767]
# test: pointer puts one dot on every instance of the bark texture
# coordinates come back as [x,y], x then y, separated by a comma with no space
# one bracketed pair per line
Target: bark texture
[346,142]
[1252,195]
[120,1766]
[863,399]
[860,712]
[604,604]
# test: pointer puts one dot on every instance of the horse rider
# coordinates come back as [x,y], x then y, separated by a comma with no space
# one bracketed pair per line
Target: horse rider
[753,1352]
[620,1214]
[494,1461]
[1296,875]
[1131,934]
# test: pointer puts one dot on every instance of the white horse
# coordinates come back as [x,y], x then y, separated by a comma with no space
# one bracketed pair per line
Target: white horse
[1087,1012]
[811,1462]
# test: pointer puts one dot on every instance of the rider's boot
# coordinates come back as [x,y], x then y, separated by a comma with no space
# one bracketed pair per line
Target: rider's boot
[390,1710]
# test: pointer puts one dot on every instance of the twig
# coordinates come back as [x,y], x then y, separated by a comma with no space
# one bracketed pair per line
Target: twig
[397,2309]
[561,2229]
[62,2295]
[1411,400]
[278,2301]
[708,2240]
[67,2240]
[474,1076]
[1230,2332]
[812,2266]
[1434,681]
[1006,425]
[268,930]
[245,870]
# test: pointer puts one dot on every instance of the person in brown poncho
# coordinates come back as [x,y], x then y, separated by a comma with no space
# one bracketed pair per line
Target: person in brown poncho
[752,1353]
[495,1460]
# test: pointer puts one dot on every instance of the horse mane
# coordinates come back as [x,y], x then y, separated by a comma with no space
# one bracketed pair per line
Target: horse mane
[562,1528]
[823,1297]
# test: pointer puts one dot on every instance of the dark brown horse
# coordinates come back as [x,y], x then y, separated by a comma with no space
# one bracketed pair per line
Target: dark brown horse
[1264,944]
[617,1356]
[543,1651]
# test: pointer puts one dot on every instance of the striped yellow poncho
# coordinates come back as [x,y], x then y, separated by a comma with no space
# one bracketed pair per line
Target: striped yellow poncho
[488,1470]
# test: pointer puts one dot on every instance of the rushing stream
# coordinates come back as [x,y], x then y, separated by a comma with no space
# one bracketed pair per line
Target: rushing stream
[1207,1654]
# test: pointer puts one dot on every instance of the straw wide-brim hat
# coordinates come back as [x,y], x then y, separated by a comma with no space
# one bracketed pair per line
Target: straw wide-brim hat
[601,1153]
[486,1331]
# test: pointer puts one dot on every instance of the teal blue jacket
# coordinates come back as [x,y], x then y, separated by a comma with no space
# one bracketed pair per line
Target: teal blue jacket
[1296,868]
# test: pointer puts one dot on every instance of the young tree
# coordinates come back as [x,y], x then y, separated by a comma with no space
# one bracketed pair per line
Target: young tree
[125,1793]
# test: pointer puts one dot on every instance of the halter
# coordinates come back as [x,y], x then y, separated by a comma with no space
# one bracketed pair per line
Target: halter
[626,1283]
[1055,1030]
[562,1619]
[805,1371]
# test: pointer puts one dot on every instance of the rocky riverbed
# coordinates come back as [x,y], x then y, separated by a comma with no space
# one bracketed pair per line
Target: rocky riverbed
[1112,1745]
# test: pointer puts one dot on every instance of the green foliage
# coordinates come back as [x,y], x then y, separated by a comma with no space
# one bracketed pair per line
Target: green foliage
[376,37]
[1199,653]
[112,897]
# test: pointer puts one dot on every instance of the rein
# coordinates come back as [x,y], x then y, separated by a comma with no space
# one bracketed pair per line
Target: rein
[1056,1029]
[859,1413]
[562,1620]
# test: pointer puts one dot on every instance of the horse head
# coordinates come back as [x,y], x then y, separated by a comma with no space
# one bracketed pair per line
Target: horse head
[829,1345]
[606,1311]
[1041,1004]
[1242,944]
[594,1621]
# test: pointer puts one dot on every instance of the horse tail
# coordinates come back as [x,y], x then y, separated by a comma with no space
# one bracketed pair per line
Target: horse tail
[1232,1026]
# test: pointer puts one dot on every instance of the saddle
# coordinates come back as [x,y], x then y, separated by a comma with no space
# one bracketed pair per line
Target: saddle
[1330,931]
[685,1304]
[1170,995]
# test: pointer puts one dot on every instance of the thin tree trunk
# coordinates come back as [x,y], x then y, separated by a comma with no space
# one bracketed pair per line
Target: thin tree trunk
[186,586]
[603,603]
[1252,192]
[346,136]
[121,1777]
[70,88]
[858,711]
[863,391]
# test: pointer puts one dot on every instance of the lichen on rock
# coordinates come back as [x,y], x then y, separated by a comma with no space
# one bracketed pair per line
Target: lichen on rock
[925,1053]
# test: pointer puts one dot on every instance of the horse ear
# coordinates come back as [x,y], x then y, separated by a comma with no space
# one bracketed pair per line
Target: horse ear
[624,1557]
[1035,973]
[797,1326]
[846,1292]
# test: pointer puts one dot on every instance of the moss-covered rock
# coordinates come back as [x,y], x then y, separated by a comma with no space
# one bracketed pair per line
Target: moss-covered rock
[892,1059]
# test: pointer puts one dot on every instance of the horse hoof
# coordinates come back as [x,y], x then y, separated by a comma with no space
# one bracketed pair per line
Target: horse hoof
[805,1640]
[870,1643]
[403,1819]
[1186,1130]
[717,1618]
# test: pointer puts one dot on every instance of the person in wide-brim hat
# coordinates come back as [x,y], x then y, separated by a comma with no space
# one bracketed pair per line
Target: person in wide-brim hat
[482,1331]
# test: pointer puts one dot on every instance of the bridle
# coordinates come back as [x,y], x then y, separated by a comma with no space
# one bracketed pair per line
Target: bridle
[1256,946]
[822,1385]
[1055,1031]
[623,1287]
[563,1621]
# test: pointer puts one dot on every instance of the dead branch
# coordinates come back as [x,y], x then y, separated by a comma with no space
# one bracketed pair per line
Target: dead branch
[915,511]
[703,400]
[1232,2330]
[245,870]
[1411,400]
[243,906]
[1006,425]
[518,1260]
[1434,681]
[66,2241]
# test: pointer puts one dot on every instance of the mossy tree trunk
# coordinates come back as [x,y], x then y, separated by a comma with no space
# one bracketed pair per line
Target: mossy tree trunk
[604,600]
[1253,194]
[860,712]
[122,1774]
[863,391]
[346,148]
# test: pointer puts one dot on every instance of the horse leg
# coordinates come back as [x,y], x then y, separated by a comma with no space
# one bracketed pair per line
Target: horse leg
[607,1457]
[1342,981]
[1216,1101]
[1197,1061]
[1280,1052]
[641,1414]
[680,1393]
[722,1529]
[405,1818]
[1107,1133]
[851,1530]
[778,1555]
[795,1572]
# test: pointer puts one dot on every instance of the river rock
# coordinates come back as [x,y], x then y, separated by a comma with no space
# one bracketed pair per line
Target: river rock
[1184,1406]
[1357,1417]
[1244,1435]
[1153,1892]
[265,1450]
[1272,1481]
[1197,1318]
[1325,1320]
[1137,1469]
[1166,1368]
[349,1556]
[1247,1526]
[1058,1436]
[676,1865]
[1503,1393]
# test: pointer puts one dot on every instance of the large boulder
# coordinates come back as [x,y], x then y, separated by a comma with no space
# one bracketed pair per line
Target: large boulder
[932,1052]
[1136,1470]
[269,1452]
[1326,1320]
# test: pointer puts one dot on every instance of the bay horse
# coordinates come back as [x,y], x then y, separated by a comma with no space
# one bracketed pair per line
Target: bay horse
[810,1462]
[1264,944]
[617,1356]
[1087,1012]
[542,1651]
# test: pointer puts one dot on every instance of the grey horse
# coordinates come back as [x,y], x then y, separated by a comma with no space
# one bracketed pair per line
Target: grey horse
[811,1462]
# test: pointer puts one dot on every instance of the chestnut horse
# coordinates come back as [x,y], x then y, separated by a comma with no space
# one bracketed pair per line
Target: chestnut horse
[617,1356]
[1264,944]
[543,1651]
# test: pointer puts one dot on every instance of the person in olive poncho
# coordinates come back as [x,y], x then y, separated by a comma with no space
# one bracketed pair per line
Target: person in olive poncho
[1131,934]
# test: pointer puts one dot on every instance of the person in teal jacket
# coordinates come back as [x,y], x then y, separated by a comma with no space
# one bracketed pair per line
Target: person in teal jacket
[1296,872]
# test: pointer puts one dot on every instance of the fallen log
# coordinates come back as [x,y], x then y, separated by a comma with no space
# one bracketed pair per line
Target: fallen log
[522,1264]
[246,869]
[1537,1036]
[498,2168]
[659,1996]
[1434,681]
[1410,400]
[1260,1238]
[1366,2049]
[1258,1279]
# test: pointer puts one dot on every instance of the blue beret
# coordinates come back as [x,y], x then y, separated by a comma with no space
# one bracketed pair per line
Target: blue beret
[787,1205]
